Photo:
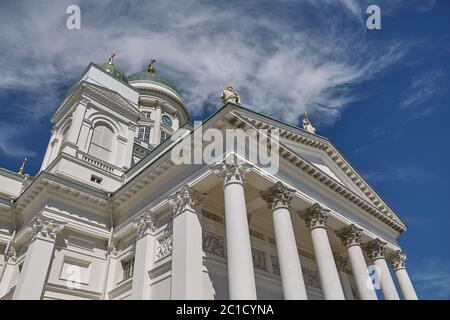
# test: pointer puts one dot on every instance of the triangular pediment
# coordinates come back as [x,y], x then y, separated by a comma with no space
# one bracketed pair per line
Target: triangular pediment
[111,94]
[319,157]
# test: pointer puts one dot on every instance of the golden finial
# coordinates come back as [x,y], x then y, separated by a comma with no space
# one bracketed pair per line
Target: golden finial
[150,66]
[22,167]
[111,57]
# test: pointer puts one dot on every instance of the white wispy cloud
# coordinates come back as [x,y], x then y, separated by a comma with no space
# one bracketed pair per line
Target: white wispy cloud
[422,89]
[402,173]
[280,61]
[284,57]
[8,134]
[431,278]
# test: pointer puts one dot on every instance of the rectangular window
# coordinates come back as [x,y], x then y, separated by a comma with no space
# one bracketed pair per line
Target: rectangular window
[146,114]
[96,179]
[144,134]
[128,268]
[164,136]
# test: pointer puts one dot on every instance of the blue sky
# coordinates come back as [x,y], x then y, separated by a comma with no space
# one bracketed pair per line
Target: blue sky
[381,96]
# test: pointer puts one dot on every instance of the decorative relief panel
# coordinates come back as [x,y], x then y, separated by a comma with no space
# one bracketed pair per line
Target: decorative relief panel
[80,243]
[214,244]
[259,259]
[275,265]
[311,277]
[305,254]
[257,234]
[164,247]
[272,241]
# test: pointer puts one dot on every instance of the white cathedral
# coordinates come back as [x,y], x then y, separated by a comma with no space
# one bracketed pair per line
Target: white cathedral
[111,215]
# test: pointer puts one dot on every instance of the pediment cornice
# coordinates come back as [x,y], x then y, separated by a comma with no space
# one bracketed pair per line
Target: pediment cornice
[105,96]
[376,206]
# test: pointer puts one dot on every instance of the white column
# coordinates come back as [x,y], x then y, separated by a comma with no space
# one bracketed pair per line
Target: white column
[187,251]
[278,198]
[157,127]
[399,265]
[241,277]
[344,276]
[111,269]
[39,255]
[143,256]
[75,127]
[128,154]
[48,151]
[351,239]
[10,263]
[375,249]
[315,219]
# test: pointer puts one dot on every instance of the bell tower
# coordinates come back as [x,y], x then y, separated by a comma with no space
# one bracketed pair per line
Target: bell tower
[94,128]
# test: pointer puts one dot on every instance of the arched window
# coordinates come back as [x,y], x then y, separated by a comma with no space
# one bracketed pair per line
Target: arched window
[101,142]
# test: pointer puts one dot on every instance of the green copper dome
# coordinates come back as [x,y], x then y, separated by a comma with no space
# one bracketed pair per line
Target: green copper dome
[151,76]
[112,69]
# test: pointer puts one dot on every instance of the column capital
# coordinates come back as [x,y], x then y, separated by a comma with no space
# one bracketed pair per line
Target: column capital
[85,101]
[186,199]
[44,228]
[350,235]
[144,223]
[398,260]
[132,126]
[112,247]
[375,249]
[232,170]
[315,216]
[11,254]
[278,196]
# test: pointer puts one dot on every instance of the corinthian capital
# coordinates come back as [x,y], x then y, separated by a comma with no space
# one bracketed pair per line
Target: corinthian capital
[398,260]
[315,216]
[278,196]
[44,228]
[186,199]
[144,223]
[231,170]
[350,235]
[375,249]
[11,254]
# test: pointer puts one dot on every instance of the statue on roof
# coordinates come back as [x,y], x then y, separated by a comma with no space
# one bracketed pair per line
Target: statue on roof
[150,68]
[111,57]
[230,95]
[307,126]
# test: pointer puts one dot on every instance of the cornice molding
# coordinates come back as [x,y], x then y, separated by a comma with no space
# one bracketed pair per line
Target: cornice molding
[87,91]
[49,181]
[381,212]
